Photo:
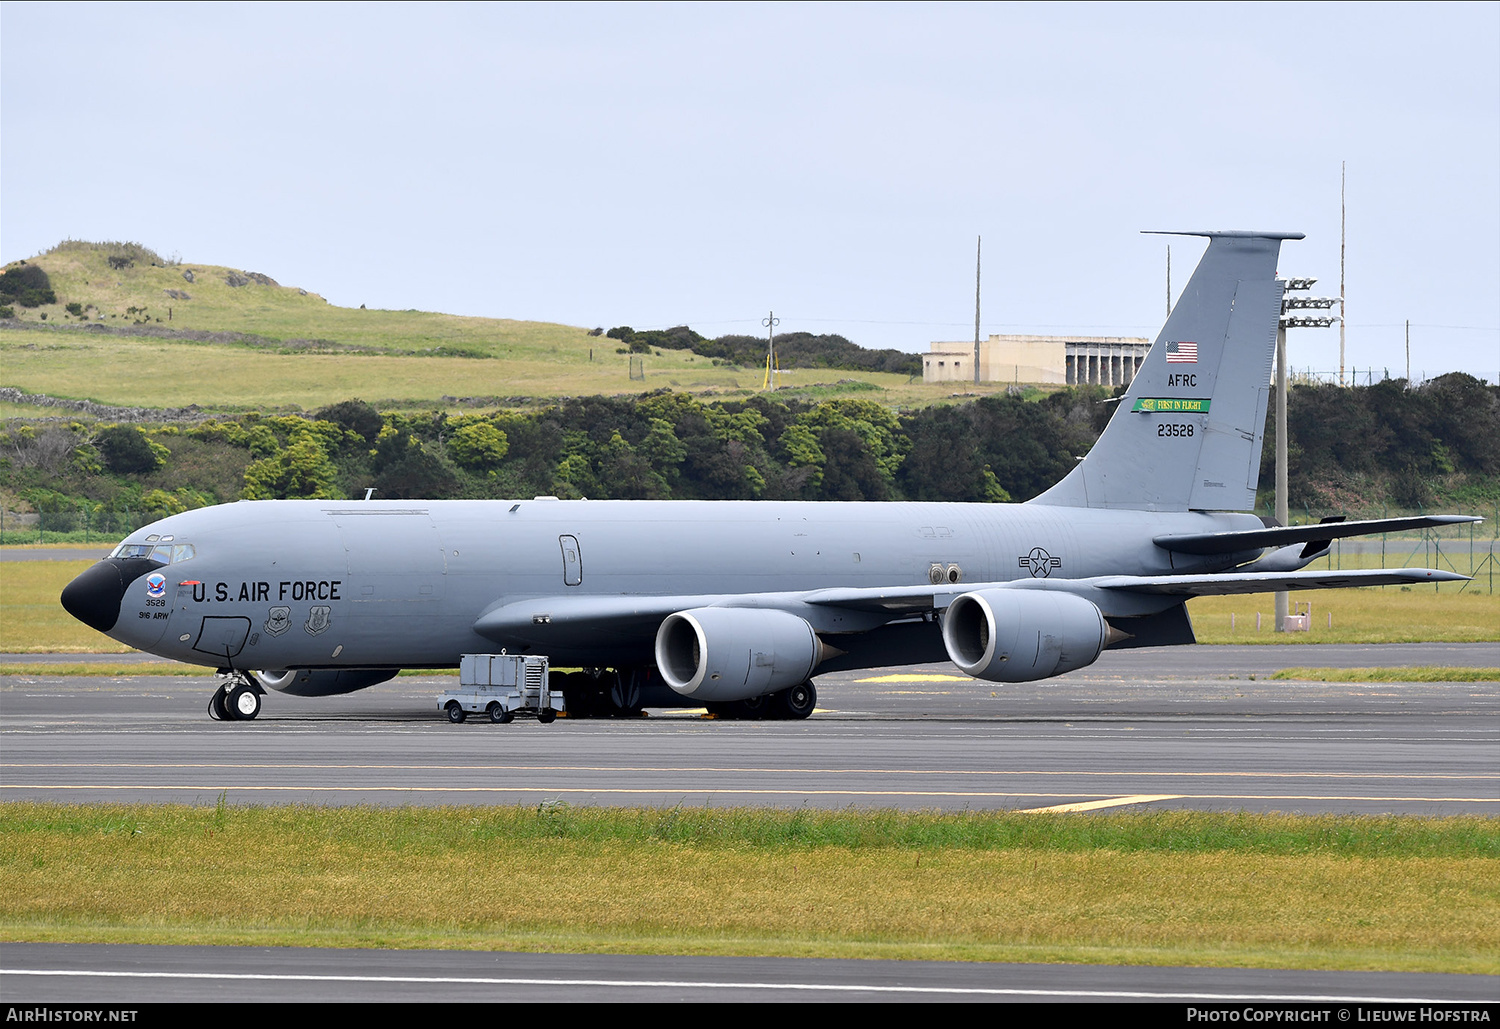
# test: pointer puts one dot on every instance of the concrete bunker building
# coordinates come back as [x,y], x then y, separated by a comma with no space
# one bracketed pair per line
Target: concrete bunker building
[1054,360]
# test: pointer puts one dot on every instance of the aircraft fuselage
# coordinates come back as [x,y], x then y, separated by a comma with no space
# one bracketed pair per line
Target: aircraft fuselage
[329,584]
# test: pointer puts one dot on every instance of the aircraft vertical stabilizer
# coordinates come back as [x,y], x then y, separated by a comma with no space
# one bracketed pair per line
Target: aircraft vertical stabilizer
[1189,430]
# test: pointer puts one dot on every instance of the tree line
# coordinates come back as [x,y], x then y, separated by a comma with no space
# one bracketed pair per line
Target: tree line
[1389,443]
[1351,448]
[793,350]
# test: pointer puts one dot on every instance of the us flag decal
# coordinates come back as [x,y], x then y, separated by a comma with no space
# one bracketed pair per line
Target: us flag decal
[1182,353]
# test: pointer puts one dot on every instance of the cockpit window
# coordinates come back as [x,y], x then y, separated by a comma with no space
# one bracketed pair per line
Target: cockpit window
[162,554]
[132,550]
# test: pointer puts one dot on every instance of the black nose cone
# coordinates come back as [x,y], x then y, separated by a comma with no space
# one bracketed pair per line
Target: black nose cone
[94,597]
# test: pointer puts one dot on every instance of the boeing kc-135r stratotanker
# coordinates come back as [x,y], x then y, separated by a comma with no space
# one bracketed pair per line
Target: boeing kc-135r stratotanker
[737,605]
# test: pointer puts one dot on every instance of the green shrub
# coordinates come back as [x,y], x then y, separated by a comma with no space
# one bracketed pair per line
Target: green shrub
[354,416]
[27,285]
[126,450]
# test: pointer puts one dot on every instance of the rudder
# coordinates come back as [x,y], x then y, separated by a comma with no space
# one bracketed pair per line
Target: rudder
[1189,432]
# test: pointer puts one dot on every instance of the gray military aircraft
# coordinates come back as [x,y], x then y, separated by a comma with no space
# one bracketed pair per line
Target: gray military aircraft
[737,605]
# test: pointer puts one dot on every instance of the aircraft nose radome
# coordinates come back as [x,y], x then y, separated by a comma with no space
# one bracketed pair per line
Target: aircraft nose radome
[94,597]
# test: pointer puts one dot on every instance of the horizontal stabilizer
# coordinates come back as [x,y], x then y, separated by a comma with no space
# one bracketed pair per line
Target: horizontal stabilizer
[1271,582]
[1286,535]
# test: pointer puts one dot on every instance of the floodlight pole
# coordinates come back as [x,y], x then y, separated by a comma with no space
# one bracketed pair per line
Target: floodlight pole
[1279,613]
[1284,322]
[1343,235]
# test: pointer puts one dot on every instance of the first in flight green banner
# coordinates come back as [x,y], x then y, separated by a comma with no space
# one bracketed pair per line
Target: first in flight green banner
[1171,404]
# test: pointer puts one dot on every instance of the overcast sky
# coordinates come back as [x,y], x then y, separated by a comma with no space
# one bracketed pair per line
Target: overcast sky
[655,165]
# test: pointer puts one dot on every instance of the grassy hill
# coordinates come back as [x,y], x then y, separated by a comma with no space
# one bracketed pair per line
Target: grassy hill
[242,341]
[136,293]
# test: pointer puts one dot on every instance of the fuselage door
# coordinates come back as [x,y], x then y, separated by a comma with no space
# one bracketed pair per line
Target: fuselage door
[223,637]
[572,561]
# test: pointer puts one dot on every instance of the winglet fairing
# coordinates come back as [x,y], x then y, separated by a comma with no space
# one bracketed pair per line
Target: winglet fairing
[738,605]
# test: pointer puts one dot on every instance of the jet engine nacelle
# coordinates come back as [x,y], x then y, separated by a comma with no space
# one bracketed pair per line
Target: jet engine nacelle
[1290,559]
[733,653]
[323,682]
[1022,635]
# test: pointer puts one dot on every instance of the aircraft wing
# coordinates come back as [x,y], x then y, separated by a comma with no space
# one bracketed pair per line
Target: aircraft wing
[1286,535]
[593,619]
[912,599]
[590,620]
[563,617]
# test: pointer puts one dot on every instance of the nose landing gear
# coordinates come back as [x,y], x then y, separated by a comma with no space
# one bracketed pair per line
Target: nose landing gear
[237,699]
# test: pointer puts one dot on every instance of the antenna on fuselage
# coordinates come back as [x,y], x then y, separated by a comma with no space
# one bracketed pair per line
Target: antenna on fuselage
[369,492]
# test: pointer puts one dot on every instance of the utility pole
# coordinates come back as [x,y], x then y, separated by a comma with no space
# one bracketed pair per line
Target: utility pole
[770,322]
[978,252]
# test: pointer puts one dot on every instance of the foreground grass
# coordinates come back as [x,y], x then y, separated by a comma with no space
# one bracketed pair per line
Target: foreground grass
[99,669]
[1161,888]
[1379,614]
[1411,674]
[32,619]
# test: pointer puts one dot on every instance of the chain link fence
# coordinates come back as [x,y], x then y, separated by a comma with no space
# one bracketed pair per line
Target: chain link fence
[1470,549]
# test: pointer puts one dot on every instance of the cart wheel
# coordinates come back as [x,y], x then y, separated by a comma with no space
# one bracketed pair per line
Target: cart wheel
[455,711]
[498,714]
[546,715]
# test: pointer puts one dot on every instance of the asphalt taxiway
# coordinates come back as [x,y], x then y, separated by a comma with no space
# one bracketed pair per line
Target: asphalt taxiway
[85,975]
[1190,727]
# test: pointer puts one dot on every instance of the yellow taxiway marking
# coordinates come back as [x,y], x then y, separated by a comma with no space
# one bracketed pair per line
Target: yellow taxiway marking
[692,791]
[917,678]
[1095,805]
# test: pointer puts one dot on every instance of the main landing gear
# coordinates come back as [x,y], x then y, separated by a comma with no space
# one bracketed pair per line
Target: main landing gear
[602,693]
[237,699]
[794,702]
[622,693]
